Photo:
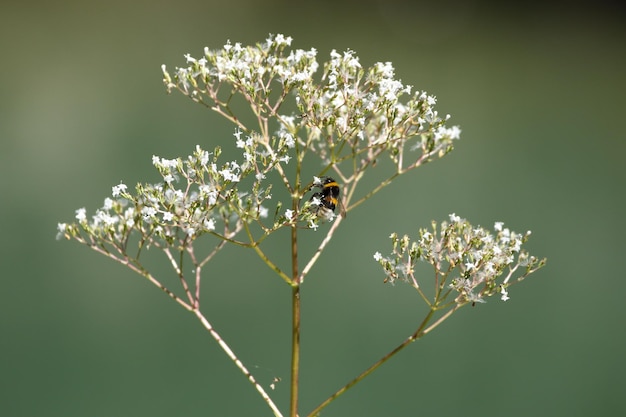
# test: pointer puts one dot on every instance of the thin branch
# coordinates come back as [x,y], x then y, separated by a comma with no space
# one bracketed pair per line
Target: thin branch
[237,362]
[380,186]
[179,271]
[320,249]
[144,273]
[442,318]
[265,259]
[416,335]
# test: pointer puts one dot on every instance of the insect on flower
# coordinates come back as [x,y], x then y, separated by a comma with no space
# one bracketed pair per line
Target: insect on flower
[328,197]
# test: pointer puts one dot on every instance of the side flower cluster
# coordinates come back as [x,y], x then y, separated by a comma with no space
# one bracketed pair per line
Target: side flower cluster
[195,196]
[469,261]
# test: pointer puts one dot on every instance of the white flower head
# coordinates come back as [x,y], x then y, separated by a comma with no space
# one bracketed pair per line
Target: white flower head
[505,294]
[118,189]
[81,214]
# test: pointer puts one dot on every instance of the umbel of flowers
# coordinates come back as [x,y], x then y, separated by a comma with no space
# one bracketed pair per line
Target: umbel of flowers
[344,122]
[306,139]
[469,261]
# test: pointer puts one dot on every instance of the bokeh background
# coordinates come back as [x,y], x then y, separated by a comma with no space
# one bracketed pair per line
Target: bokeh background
[538,90]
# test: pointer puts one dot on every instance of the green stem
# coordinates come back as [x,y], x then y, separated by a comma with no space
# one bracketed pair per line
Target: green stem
[255,245]
[380,186]
[418,333]
[295,349]
[295,326]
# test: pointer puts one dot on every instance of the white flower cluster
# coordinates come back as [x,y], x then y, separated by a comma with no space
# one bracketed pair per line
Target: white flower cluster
[349,112]
[347,118]
[208,196]
[469,260]
[249,70]
[367,110]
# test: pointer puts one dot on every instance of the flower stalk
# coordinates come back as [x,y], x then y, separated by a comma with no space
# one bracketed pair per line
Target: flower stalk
[342,121]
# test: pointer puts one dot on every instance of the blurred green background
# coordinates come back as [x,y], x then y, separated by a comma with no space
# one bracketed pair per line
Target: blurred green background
[539,93]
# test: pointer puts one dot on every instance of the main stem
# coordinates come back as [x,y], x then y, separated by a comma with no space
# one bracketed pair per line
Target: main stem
[295,326]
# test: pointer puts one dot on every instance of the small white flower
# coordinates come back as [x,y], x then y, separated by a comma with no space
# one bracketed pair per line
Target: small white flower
[228,174]
[289,141]
[203,155]
[315,201]
[209,224]
[108,204]
[118,189]
[280,39]
[148,211]
[378,256]
[289,214]
[129,215]
[61,228]
[169,163]
[81,214]
[454,218]
[212,197]
[475,298]
[505,294]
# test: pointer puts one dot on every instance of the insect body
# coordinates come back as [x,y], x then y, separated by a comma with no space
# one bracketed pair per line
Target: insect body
[328,198]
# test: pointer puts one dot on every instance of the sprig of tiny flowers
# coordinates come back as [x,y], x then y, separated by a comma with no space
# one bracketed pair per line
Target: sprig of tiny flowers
[350,114]
[347,119]
[165,214]
[468,261]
